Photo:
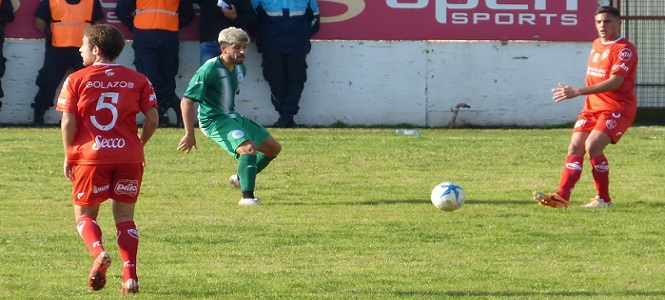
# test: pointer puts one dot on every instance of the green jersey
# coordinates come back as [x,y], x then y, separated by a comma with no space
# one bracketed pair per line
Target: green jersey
[214,87]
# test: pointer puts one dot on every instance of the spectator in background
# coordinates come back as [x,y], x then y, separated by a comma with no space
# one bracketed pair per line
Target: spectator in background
[283,36]
[220,14]
[62,22]
[155,25]
[6,15]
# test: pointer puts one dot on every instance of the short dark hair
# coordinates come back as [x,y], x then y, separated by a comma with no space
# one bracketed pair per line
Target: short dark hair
[608,10]
[107,38]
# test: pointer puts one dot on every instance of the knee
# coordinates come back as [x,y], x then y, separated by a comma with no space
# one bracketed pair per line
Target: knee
[594,149]
[277,150]
[247,147]
[274,150]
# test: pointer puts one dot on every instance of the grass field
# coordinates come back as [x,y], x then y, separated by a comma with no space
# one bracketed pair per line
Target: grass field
[346,215]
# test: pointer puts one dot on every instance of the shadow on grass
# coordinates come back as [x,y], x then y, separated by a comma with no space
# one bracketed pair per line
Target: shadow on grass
[406,201]
[556,294]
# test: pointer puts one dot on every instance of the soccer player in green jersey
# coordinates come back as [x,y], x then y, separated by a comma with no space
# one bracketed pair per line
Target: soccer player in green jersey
[213,87]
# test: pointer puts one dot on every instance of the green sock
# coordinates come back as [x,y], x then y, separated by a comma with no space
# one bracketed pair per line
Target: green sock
[262,162]
[247,171]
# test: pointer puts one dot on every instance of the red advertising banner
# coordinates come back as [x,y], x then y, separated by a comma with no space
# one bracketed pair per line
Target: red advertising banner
[536,20]
[547,20]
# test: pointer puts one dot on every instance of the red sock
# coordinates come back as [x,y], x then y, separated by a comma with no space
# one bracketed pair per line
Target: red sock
[128,244]
[572,170]
[601,176]
[91,234]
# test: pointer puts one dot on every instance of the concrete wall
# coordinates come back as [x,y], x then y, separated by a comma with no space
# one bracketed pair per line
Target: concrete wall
[377,82]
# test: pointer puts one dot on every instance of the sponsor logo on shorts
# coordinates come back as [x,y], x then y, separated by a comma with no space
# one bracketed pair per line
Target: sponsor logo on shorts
[127,187]
[236,134]
[80,195]
[611,124]
[96,189]
[580,123]
[619,133]
[616,115]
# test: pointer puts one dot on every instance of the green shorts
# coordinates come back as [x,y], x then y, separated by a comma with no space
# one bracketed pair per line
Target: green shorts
[231,132]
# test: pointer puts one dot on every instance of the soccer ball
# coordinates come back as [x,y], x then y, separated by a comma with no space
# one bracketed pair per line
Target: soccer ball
[448,196]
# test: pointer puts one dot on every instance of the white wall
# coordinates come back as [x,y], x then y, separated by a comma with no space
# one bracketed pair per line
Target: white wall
[377,82]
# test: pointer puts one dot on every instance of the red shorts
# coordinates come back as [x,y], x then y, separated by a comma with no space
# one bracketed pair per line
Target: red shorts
[615,124]
[93,184]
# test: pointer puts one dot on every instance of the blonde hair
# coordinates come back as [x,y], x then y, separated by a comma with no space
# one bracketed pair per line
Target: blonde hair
[232,35]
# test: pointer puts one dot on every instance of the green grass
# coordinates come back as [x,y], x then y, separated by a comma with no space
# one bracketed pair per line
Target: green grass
[346,215]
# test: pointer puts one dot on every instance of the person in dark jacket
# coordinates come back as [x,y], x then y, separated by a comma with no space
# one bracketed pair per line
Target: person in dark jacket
[283,35]
[6,15]
[62,22]
[217,15]
[155,25]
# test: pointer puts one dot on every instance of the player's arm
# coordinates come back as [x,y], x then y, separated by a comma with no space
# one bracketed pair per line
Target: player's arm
[150,124]
[564,92]
[68,128]
[189,140]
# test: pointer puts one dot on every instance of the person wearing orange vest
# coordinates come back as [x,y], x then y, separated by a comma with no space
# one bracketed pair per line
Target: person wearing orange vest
[6,15]
[155,25]
[62,22]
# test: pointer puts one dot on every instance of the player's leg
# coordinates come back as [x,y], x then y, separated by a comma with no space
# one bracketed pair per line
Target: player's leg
[247,168]
[88,228]
[128,244]
[126,186]
[90,188]
[268,151]
[572,168]
[91,234]
[611,126]
[596,144]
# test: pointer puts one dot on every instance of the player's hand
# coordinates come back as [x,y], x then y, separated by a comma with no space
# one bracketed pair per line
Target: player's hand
[186,143]
[564,92]
[67,169]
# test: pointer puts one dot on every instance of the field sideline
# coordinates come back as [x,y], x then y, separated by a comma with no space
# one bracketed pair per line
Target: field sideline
[346,215]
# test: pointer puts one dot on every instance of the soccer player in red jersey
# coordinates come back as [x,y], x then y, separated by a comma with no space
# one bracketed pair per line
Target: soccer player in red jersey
[103,150]
[608,111]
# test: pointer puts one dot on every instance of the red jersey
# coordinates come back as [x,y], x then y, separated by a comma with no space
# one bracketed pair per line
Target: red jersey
[106,99]
[607,58]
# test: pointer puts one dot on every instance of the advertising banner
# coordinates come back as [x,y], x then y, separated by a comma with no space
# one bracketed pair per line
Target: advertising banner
[533,20]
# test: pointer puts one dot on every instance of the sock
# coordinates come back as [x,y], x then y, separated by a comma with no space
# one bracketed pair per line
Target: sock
[91,234]
[128,244]
[247,171]
[570,174]
[601,176]
[262,162]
